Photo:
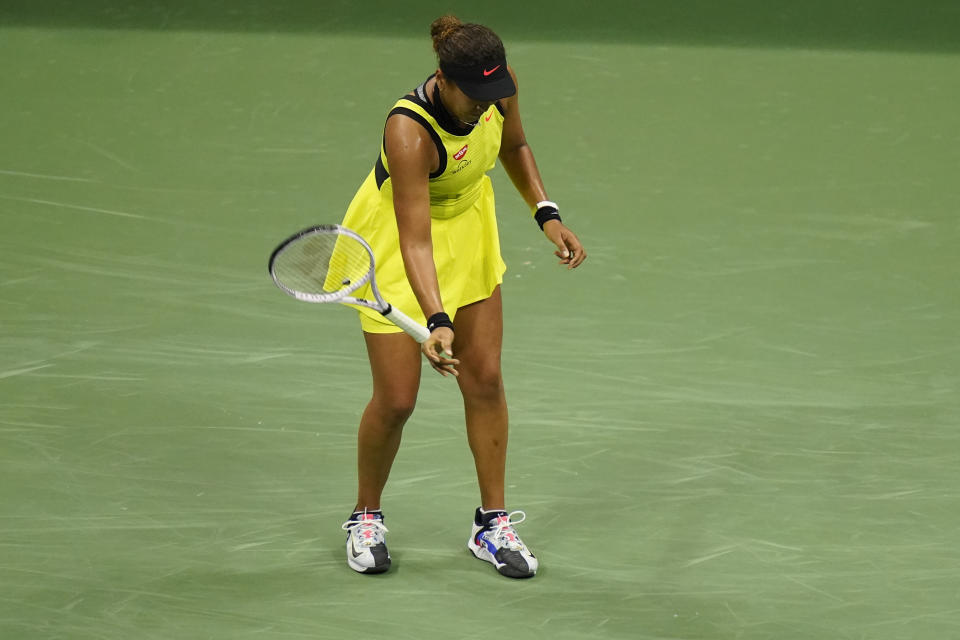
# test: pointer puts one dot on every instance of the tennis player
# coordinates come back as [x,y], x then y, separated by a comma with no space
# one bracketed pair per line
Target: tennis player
[427,210]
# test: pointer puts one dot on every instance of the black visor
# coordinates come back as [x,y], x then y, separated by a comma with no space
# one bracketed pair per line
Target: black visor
[485,83]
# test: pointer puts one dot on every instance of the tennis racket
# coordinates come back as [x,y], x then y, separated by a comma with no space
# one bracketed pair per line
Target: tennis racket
[327,263]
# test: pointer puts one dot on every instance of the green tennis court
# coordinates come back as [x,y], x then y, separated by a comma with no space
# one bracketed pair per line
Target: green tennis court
[738,420]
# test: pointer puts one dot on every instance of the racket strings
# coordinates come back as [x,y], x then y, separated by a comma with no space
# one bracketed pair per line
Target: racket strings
[322,264]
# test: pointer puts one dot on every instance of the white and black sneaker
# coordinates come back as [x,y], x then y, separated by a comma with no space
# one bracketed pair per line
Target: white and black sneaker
[366,549]
[495,540]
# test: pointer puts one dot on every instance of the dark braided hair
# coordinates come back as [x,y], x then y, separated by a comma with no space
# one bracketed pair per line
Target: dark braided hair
[465,44]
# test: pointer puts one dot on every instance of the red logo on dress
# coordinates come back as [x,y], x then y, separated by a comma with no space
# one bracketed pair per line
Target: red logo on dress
[461,153]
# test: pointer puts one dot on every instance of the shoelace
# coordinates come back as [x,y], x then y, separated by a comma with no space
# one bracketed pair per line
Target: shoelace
[368,532]
[503,532]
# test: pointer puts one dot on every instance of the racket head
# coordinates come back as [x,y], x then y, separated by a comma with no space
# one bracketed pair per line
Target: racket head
[324,263]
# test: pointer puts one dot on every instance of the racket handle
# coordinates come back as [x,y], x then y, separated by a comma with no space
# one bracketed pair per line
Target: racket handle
[416,330]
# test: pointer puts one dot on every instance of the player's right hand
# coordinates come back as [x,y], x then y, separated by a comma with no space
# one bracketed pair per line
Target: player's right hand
[438,349]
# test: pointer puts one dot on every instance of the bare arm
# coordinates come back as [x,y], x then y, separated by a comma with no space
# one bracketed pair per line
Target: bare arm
[520,165]
[411,155]
[516,155]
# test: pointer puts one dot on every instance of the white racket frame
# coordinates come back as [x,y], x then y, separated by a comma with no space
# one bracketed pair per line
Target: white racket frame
[413,328]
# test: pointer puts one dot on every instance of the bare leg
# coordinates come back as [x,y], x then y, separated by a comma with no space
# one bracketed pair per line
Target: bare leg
[395,364]
[477,344]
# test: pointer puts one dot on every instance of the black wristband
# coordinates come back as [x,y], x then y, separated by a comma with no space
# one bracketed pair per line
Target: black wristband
[438,320]
[545,214]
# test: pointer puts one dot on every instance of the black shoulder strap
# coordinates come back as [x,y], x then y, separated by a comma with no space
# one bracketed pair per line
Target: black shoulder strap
[381,171]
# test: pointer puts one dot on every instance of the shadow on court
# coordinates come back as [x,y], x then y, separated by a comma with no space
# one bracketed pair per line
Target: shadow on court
[875,25]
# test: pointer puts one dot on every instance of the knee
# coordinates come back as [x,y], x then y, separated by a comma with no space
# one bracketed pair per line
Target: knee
[394,410]
[485,385]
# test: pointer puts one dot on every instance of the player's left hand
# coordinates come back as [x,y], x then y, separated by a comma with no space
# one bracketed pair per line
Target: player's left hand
[569,249]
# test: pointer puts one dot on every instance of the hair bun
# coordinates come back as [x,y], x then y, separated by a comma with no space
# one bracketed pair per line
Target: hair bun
[442,28]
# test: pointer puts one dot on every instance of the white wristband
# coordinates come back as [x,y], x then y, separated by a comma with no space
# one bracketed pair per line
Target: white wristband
[547,203]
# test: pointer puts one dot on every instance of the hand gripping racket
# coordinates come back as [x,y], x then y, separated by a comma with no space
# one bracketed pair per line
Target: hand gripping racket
[327,263]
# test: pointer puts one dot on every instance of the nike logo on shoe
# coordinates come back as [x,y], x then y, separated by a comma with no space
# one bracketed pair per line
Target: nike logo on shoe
[486,73]
[353,550]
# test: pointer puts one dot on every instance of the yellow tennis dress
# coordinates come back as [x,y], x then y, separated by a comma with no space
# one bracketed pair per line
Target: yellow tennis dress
[466,246]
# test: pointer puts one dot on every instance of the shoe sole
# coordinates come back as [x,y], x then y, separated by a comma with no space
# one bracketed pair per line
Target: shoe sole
[359,568]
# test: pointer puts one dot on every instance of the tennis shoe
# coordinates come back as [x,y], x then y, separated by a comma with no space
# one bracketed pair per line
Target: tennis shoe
[496,541]
[366,547]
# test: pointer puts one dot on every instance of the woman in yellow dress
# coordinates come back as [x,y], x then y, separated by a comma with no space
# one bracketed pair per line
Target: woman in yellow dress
[427,210]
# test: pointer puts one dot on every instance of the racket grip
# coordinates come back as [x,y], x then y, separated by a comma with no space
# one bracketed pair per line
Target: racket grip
[416,330]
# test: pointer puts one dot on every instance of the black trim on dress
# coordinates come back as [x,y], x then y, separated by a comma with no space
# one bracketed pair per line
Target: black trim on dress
[380,172]
[441,150]
[447,121]
[437,110]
